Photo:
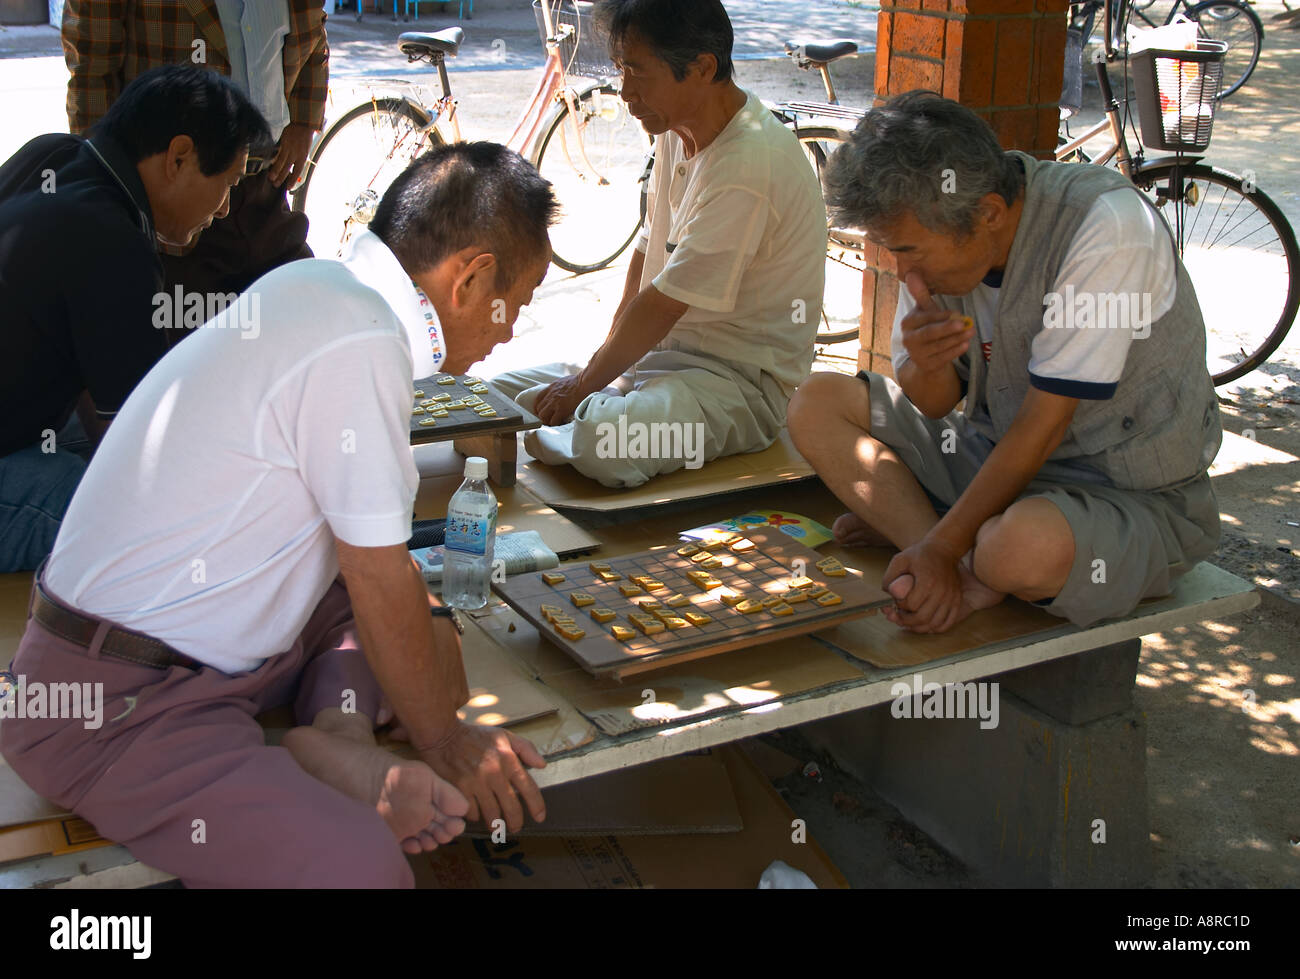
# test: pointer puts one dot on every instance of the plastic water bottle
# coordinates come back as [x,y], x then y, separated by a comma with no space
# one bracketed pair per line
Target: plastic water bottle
[471,534]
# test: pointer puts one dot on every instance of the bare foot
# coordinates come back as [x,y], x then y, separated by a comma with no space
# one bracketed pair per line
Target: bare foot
[975,595]
[422,809]
[850,530]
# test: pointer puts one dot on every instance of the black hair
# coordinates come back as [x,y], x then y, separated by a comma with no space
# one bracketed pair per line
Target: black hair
[677,31]
[183,100]
[466,195]
[923,153]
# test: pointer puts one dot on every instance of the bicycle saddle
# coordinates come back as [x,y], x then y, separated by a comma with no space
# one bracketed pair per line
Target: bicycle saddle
[825,53]
[419,44]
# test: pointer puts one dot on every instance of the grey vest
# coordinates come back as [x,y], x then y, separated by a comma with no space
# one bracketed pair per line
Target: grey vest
[1162,427]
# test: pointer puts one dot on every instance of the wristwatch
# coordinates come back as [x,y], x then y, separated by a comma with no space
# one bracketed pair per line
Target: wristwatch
[447,612]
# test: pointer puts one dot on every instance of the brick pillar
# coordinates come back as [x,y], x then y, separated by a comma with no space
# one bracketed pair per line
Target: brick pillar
[1004,59]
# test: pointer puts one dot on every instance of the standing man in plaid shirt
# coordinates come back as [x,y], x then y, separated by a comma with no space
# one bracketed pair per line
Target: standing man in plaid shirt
[273,50]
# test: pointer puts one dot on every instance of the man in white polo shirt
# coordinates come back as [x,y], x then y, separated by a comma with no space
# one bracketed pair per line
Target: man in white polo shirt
[723,295]
[239,543]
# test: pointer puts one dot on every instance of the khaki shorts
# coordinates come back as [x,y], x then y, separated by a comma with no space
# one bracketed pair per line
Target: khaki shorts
[1128,544]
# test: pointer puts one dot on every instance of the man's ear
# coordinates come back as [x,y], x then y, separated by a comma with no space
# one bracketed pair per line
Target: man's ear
[180,149]
[707,65]
[476,281]
[993,210]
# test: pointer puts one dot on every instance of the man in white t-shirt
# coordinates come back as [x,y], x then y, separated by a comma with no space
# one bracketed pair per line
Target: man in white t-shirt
[724,291]
[239,543]
[1049,297]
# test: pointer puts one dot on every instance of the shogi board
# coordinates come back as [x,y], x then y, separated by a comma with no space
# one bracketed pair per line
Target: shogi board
[465,422]
[765,570]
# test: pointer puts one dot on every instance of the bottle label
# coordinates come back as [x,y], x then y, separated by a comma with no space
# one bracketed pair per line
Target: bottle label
[470,527]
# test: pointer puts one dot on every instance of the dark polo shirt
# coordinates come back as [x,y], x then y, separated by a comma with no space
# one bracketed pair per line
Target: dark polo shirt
[79,270]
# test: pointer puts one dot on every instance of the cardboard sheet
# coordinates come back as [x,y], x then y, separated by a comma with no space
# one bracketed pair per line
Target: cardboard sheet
[746,677]
[15,590]
[687,794]
[700,860]
[778,464]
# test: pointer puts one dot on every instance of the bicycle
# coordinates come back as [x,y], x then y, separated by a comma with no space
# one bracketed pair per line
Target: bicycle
[578,135]
[1228,232]
[1231,21]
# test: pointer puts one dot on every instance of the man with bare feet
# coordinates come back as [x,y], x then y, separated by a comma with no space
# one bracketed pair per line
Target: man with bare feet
[1075,476]
[239,544]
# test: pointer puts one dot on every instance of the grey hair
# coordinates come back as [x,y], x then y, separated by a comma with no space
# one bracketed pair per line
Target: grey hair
[922,153]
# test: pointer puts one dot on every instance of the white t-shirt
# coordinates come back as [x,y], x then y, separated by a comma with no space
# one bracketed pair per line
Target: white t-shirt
[738,233]
[207,518]
[1121,247]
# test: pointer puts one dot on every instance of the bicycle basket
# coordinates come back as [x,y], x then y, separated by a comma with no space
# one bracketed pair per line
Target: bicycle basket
[582,47]
[1176,93]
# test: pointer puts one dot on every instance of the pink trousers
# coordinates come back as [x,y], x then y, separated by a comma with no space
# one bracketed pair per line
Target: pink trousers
[179,771]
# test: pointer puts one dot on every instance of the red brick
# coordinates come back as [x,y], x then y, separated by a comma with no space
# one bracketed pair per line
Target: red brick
[978,56]
[934,5]
[906,74]
[957,6]
[908,4]
[1015,62]
[1052,6]
[1017,129]
[1049,122]
[864,360]
[884,32]
[871,254]
[1050,52]
[952,66]
[917,34]
[883,314]
[999,6]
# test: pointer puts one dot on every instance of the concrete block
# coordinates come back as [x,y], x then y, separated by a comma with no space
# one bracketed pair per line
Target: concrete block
[1025,804]
[1081,688]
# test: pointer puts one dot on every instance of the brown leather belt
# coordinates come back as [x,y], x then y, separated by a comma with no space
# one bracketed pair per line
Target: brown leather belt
[119,643]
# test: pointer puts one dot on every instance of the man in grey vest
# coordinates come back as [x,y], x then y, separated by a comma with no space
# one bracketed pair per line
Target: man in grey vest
[1050,297]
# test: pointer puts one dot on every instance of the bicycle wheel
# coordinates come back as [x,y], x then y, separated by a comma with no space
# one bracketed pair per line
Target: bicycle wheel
[353,164]
[1234,22]
[842,300]
[1241,255]
[596,165]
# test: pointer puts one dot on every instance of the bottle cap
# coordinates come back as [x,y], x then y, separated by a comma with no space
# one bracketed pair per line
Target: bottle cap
[476,467]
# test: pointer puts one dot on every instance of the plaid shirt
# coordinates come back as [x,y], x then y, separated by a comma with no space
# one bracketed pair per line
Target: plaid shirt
[107,43]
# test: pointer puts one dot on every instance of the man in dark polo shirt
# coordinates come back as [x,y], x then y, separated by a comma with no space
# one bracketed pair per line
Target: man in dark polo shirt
[80,279]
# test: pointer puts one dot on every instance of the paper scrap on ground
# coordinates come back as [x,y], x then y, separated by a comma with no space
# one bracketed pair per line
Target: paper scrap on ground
[521,551]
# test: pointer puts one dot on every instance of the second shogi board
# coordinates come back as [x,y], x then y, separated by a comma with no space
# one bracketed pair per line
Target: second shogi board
[433,394]
[763,572]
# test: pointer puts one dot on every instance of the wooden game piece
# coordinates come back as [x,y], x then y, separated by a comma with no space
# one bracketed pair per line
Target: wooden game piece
[419,393]
[441,398]
[603,615]
[743,546]
[581,599]
[417,410]
[428,422]
[696,618]
[490,413]
[479,389]
[552,577]
[772,600]
[640,579]
[621,632]
[732,598]
[677,601]
[650,606]
[732,539]
[598,566]
[830,598]
[816,591]
[548,612]
[455,406]
[711,563]
[446,379]
[703,580]
[570,632]
[648,626]
[838,571]
[654,584]
[781,608]
[799,581]
[749,607]
[437,413]
[428,402]
[674,623]
[629,590]
[608,576]
[687,550]
[664,614]
[699,556]
[472,399]
[827,562]
[794,595]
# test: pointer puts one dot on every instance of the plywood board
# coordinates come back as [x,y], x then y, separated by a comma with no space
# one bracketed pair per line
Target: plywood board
[745,678]
[778,464]
[519,510]
[761,575]
[434,393]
